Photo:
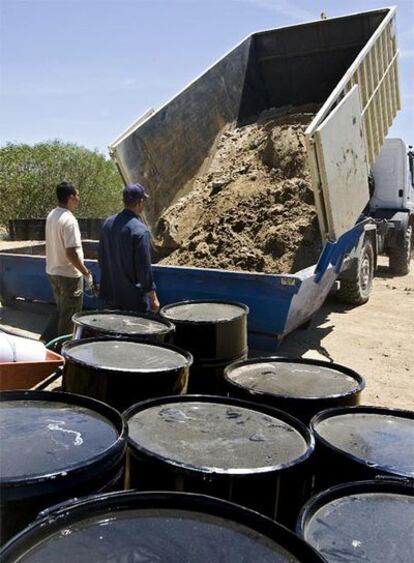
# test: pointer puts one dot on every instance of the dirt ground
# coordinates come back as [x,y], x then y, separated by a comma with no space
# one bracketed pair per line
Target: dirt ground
[375,339]
[251,206]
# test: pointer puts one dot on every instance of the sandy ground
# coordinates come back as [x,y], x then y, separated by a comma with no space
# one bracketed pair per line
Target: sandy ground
[375,339]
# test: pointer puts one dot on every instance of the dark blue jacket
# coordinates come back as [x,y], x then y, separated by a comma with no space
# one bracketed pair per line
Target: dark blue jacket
[124,256]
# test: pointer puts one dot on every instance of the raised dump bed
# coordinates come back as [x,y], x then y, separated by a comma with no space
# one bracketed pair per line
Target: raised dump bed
[315,63]
[344,67]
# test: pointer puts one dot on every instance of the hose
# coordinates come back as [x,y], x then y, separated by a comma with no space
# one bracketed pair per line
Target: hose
[53,344]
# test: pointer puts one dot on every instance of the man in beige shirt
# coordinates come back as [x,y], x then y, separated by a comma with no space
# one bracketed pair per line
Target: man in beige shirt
[64,259]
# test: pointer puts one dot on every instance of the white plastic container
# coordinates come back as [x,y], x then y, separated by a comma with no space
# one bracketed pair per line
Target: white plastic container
[19,349]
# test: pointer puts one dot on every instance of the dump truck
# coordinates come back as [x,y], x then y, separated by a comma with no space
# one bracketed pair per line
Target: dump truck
[362,182]
[348,67]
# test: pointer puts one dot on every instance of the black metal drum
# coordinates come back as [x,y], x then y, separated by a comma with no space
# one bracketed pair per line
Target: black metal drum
[55,446]
[215,332]
[158,526]
[122,371]
[300,387]
[145,327]
[355,443]
[251,454]
[366,521]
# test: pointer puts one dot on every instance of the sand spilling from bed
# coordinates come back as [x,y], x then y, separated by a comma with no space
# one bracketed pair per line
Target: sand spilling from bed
[251,206]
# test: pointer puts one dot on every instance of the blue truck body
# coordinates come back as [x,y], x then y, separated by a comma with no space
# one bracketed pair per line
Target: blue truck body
[278,303]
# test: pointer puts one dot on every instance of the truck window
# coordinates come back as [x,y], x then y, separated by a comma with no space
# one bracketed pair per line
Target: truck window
[411,167]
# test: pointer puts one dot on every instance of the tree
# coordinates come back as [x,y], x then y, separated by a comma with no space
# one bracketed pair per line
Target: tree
[29,174]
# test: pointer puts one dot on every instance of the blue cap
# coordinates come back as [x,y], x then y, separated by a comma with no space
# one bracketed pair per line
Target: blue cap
[133,192]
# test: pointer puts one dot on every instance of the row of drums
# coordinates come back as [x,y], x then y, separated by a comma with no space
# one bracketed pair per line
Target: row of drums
[208,477]
[184,349]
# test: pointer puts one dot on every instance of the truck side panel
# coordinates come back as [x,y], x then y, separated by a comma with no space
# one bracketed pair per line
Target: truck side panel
[375,71]
[278,304]
[268,296]
[342,165]
[167,149]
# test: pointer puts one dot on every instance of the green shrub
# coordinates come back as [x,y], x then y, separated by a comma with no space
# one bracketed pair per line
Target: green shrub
[29,174]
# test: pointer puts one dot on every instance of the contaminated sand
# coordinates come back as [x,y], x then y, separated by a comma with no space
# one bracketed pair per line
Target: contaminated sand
[251,206]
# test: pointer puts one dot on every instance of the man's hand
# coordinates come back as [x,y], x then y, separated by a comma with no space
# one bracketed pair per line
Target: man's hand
[73,257]
[88,281]
[154,303]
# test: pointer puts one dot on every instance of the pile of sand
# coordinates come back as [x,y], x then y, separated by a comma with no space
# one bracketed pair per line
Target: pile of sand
[251,207]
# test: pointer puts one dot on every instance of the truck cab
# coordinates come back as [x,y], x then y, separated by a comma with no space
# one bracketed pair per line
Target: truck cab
[393,177]
[392,203]
[390,226]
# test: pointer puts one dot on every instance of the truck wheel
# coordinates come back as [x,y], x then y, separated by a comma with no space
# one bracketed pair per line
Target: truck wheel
[399,258]
[357,290]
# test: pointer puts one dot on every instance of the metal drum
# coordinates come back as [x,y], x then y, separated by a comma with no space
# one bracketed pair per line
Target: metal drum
[215,332]
[355,443]
[55,446]
[122,371]
[367,521]
[159,526]
[145,327]
[250,454]
[300,387]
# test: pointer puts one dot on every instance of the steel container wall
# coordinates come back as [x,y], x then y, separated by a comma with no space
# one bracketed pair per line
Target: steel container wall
[214,344]
[22,498]
[211,525]
[84,330]
[303,408]
[122,388]
[208,376]
[334,465]
[347,528]
[278,492]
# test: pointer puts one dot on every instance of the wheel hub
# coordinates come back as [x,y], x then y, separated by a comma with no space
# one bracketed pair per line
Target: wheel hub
[365,273]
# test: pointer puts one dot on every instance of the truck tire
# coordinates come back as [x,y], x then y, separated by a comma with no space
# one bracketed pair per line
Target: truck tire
[399,258]
[356,291]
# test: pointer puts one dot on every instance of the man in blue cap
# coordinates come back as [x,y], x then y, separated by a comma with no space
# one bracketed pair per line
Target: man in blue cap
[125,257]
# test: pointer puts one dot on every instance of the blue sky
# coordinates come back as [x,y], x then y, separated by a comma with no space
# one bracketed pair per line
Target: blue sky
[83,70]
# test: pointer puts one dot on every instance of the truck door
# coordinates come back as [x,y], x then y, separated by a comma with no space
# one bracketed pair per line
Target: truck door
[391,175]
[339,167]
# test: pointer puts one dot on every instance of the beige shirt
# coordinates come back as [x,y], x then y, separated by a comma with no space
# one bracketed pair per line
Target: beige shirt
[62,231]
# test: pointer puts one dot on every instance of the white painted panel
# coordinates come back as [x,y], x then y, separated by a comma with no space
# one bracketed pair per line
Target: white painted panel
[390,175]
[341,155]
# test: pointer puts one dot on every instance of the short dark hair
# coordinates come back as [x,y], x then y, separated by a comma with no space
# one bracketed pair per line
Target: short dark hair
[64,190]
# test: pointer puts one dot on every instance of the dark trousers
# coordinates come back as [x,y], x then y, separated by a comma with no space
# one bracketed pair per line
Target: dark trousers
[68,294]
[138,305]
